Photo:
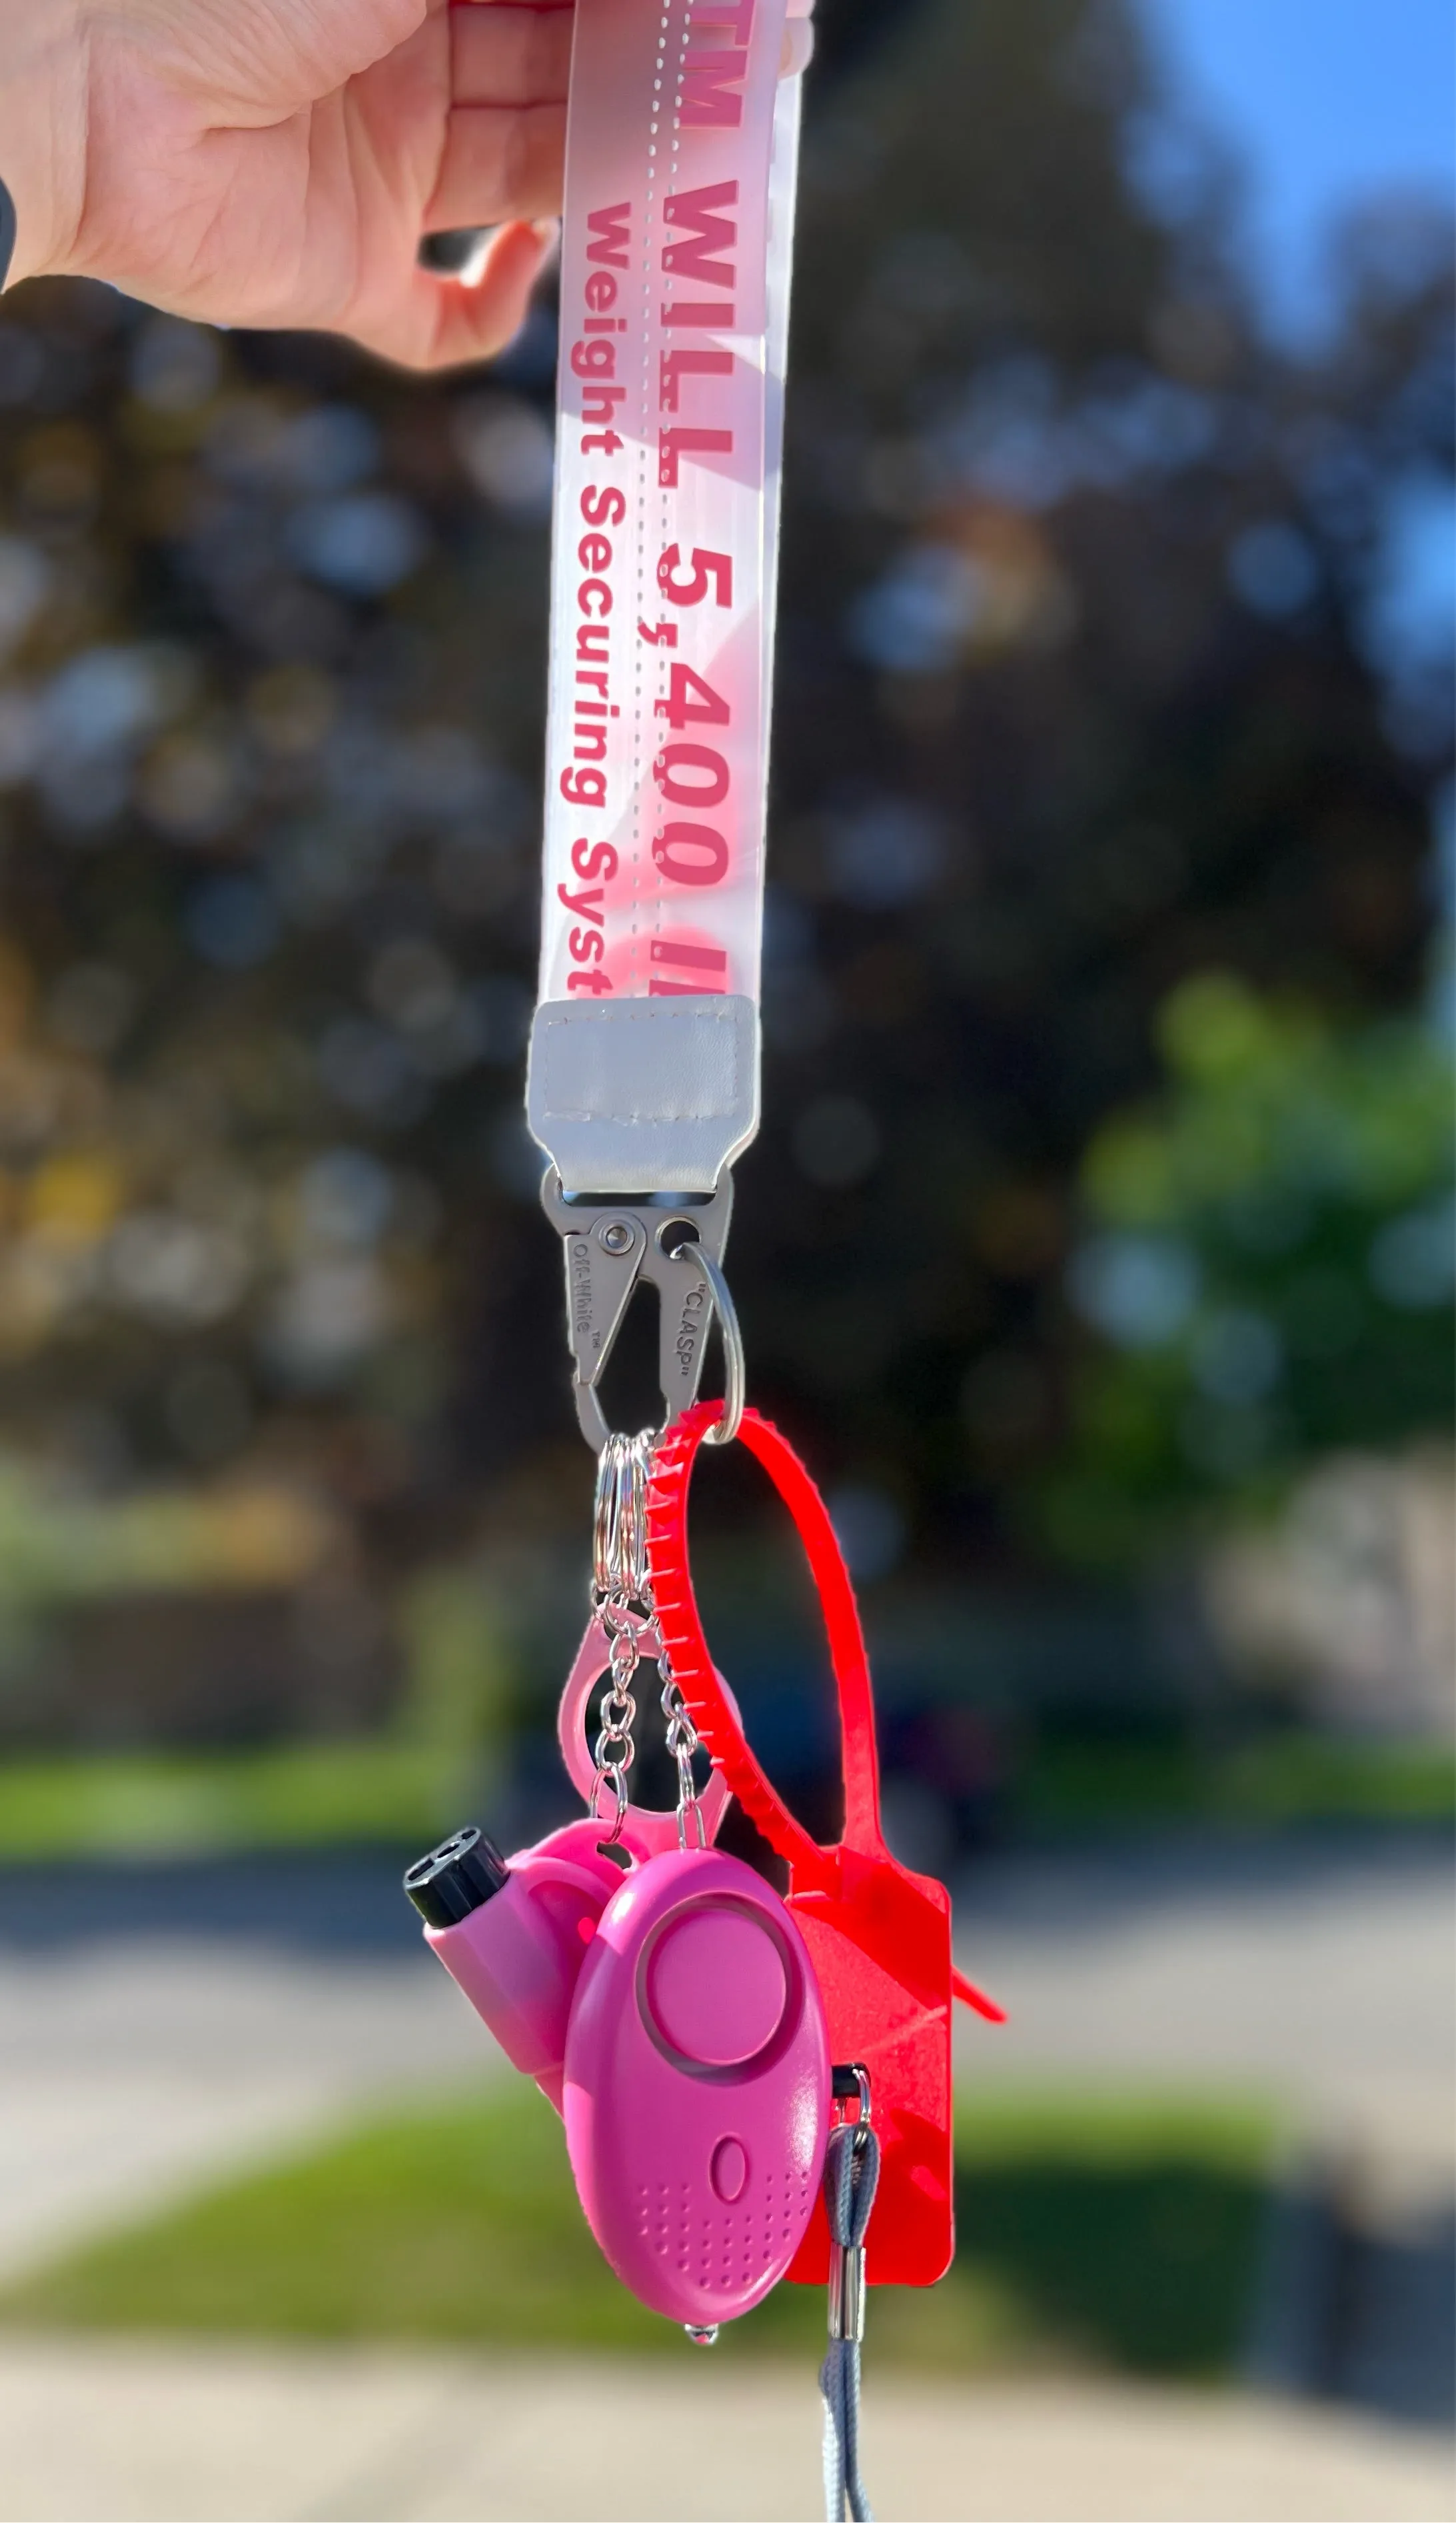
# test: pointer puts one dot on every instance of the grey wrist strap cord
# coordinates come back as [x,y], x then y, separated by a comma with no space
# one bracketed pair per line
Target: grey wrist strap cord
[6,231]
[851,2173]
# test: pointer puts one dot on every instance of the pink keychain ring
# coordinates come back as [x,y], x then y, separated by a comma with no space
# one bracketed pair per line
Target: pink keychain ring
[651,1833]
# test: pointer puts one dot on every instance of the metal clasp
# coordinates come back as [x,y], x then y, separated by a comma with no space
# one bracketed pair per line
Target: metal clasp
[851,2085]
[677,1244]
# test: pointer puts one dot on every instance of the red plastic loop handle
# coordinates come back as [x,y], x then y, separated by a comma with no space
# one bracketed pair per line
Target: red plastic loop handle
[718,1723]
[692,1664]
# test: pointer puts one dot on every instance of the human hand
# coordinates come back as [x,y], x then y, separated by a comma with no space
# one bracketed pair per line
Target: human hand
[275,162]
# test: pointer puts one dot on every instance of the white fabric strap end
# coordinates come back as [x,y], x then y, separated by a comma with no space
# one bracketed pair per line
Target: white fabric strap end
[633,1095]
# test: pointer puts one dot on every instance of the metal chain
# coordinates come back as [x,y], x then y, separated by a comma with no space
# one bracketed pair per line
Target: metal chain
[622,1601]
[615,1751]
[682,1742]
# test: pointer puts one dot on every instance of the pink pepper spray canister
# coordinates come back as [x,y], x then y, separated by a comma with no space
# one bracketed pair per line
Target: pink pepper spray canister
[513,1932]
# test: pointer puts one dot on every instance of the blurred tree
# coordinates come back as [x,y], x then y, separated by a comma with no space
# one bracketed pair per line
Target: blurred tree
[1268,1265]
[1080,694]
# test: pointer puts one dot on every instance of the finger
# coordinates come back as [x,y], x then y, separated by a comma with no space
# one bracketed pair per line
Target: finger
[499,163]
[500,54]
[798,47]
[444,324]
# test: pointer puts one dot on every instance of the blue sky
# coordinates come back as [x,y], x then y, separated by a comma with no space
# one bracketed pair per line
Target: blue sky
[1328,100]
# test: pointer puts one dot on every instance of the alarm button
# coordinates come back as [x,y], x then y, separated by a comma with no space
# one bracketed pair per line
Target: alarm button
[728,2170]
[716,1991]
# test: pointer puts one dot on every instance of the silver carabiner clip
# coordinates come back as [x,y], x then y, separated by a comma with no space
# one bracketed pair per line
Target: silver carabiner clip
[612,1245]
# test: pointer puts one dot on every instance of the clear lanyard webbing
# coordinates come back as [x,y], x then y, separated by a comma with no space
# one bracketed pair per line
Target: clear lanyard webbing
[681,158]
[682,155]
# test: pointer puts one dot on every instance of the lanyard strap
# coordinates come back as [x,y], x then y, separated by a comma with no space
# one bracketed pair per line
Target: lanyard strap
[682,159]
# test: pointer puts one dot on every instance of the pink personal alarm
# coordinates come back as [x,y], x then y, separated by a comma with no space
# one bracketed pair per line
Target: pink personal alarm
[672,2014]
[697,2087]
[663,1999]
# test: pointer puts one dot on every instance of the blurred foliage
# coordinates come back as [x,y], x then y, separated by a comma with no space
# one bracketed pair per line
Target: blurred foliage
[1082,692]
[1269,1259]
[458,1694]
[1093,2230]
[57,1548]
[61,1548]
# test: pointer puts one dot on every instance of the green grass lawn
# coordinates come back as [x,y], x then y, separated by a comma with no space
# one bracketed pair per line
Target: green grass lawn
[1266,1784]
[319,1794]
[296,1795]
[1095,2232]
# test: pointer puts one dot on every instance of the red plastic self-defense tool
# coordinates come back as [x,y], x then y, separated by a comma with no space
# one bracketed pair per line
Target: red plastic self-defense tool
[879,1937]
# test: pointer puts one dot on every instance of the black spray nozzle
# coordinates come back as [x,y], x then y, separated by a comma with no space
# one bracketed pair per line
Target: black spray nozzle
[459,1877]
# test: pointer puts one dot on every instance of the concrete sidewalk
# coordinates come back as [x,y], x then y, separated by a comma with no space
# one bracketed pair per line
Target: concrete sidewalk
[126,2434]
